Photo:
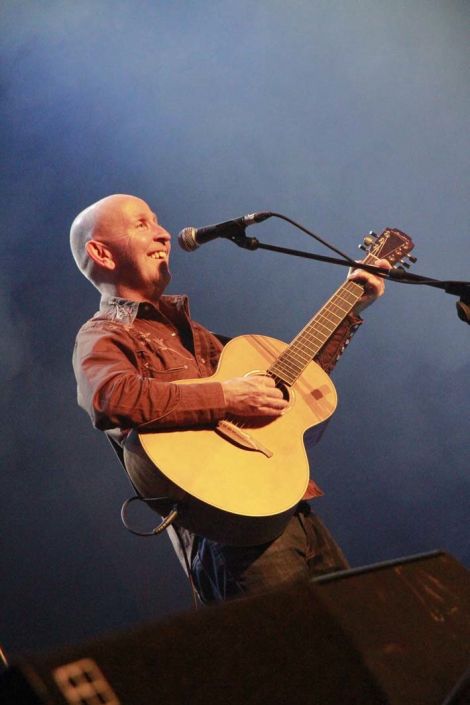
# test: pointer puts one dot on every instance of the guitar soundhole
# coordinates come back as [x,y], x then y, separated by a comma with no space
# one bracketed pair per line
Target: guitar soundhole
[284,389]
[280,384]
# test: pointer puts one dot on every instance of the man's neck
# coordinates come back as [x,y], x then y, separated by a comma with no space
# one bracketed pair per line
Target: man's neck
[128,293]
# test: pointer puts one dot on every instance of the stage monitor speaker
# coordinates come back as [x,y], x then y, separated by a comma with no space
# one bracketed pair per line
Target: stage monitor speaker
[396,633]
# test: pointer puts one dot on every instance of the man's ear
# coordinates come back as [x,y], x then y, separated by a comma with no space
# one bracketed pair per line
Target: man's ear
[100,254]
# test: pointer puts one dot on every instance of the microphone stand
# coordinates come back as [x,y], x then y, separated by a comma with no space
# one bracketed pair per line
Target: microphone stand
[454,288]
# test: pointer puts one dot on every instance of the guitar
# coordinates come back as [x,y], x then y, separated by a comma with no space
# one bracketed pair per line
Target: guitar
[241,484]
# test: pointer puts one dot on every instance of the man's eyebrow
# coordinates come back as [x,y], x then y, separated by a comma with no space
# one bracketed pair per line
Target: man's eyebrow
[143,215]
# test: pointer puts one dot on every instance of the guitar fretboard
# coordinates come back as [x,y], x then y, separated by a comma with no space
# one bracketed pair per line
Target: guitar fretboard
[308,343]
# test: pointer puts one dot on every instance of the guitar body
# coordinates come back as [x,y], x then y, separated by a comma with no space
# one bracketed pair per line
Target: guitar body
[243,490]
[240,485]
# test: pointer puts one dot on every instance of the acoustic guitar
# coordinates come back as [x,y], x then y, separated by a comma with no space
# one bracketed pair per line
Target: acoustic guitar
[240,483]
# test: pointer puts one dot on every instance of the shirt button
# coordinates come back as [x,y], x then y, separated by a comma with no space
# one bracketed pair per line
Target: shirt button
[203,361]
[173,335]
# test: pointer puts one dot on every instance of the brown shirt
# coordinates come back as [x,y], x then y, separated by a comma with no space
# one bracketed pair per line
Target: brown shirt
[128,357]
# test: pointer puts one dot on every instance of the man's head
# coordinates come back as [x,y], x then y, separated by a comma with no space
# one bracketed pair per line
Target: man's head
[119,246]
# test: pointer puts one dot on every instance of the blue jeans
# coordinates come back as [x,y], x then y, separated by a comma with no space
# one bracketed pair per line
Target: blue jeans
[305,549]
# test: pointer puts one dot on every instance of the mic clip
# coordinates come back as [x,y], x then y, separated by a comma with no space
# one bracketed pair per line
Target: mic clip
[463,308]
[461,289]
[242,240]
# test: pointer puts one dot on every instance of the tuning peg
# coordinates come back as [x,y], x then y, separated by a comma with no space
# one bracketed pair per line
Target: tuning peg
[368,240]
[412,259]
[404,264]
[362,247]
[372,234]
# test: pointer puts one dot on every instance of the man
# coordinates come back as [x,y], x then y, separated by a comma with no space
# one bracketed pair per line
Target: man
[128,359]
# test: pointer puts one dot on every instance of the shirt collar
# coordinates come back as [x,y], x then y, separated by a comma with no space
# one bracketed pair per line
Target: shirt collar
[126,311]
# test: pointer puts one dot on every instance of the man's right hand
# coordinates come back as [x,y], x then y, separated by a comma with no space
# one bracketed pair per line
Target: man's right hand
[253,396]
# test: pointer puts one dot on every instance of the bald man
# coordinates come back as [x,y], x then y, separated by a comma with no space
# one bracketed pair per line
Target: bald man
[128,360]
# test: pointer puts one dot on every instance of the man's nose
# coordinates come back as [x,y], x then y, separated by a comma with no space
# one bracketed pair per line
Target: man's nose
[161,234]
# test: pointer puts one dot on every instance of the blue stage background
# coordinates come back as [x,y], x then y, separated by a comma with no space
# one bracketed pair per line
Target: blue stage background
[346,117]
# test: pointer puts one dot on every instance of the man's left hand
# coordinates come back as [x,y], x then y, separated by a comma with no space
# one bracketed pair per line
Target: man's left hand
[374,286]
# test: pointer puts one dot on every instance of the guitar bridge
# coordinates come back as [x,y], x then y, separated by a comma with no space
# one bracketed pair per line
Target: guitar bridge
[233,433]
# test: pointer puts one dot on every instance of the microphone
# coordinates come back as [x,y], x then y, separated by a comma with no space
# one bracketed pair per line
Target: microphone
[190,239]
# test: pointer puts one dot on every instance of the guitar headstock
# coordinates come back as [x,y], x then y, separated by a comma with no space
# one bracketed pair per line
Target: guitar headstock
[392,245]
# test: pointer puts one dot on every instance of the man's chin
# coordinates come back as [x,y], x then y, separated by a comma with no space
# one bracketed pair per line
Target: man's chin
[162,283]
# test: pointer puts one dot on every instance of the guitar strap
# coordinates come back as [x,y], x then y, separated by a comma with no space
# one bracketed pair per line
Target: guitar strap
[166,520]
[165,523]
[119,452]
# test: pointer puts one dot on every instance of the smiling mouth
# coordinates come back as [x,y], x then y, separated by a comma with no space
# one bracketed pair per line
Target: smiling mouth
[160,255]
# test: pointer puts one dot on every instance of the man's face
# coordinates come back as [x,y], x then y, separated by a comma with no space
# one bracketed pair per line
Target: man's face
[139,246]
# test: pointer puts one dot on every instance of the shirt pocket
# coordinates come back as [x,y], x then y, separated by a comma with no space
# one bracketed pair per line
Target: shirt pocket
[157,359]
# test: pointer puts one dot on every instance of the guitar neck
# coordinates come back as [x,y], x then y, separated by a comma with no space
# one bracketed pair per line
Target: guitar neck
[308,343]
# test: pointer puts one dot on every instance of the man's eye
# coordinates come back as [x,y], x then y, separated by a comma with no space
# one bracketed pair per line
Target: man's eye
[141,224]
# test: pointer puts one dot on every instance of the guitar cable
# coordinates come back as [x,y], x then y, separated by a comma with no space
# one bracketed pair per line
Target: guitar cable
[164,524]
[160,528]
